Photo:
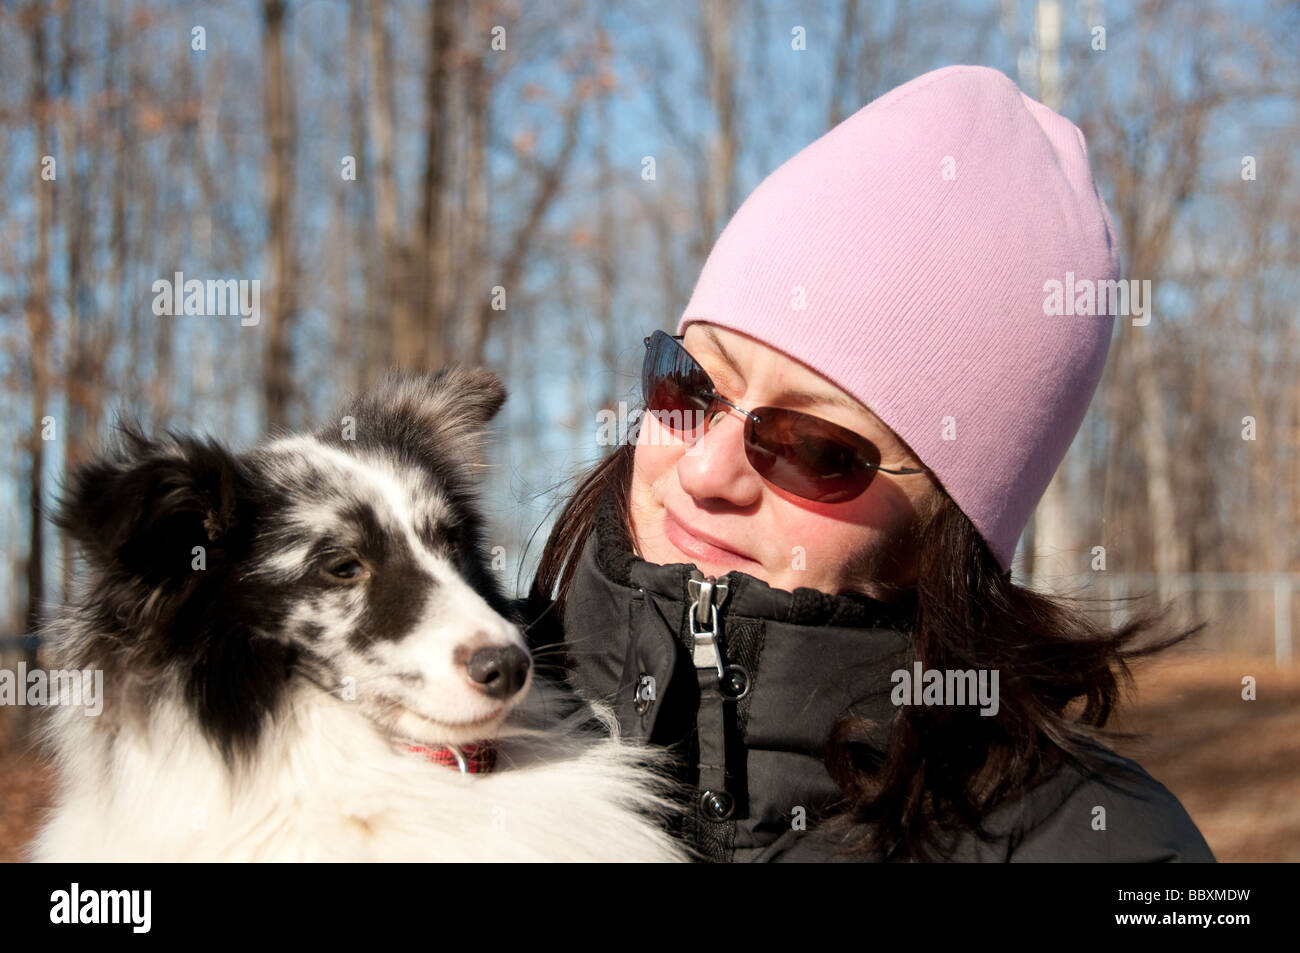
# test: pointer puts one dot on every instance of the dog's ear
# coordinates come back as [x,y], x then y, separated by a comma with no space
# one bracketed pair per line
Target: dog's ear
[440,416]
[144,507]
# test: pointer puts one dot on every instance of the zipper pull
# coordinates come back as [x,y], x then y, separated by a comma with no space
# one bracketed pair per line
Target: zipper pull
[707,594]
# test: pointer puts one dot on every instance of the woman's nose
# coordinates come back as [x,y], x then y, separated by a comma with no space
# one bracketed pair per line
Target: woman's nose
[714,465]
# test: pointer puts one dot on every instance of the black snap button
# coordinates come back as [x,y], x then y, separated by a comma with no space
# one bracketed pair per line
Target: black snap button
[717,805]
[645,693]
[735,682]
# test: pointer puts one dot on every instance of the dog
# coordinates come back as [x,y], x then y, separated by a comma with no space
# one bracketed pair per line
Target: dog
[306,657]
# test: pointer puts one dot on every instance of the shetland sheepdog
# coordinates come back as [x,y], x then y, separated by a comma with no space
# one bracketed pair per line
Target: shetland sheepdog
[306,657]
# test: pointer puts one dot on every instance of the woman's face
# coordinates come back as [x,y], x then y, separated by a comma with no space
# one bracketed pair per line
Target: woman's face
[701,502]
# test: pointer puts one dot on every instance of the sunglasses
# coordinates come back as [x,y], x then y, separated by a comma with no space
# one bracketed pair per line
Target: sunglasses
[807,456]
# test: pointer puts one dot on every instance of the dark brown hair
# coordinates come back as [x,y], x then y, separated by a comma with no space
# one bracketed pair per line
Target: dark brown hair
[1061,674]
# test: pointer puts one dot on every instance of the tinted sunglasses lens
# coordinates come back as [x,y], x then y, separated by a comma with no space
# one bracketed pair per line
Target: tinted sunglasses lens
[809,457]
[674,386]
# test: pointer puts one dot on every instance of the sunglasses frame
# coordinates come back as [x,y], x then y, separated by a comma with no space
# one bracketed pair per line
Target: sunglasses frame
[718,398]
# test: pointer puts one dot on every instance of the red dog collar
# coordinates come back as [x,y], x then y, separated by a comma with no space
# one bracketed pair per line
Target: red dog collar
[477,758]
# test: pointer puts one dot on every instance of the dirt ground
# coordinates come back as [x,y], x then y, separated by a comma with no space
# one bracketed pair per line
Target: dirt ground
[1234,764]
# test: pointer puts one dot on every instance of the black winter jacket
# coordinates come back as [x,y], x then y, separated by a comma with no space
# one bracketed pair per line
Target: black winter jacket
[752,741]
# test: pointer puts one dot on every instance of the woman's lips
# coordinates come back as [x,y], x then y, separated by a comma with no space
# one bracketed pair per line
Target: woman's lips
[698,546]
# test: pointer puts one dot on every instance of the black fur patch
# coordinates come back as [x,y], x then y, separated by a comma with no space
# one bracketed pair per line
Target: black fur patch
[397,592]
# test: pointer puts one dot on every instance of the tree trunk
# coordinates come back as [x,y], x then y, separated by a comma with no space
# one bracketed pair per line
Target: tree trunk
[277,101]
[719,61]
[39,330]
[474,248]
[395,274]
[432,238]
[73,211]
[372,340]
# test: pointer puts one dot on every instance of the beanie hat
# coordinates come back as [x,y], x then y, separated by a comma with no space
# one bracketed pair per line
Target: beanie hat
[906,255]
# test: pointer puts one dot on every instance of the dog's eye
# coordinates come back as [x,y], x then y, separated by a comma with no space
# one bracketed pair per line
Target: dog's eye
[345,570]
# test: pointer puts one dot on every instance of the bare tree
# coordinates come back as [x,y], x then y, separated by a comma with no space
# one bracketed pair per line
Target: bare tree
[374,328]
[394,277]
[277,86]
[431,239]
[468,249]
[716,46]
[39,323]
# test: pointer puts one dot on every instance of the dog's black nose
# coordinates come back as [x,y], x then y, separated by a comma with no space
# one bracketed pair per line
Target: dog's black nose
[498,671]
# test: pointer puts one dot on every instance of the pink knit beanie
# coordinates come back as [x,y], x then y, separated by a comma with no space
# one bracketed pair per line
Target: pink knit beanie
[904,257]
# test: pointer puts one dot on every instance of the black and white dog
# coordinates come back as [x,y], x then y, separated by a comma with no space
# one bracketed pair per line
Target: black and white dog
[281,633]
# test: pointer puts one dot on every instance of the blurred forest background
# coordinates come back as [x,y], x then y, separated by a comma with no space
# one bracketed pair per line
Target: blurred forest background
[581,157]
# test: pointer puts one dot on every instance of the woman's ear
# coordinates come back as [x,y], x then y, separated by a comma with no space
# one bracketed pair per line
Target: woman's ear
[143,508]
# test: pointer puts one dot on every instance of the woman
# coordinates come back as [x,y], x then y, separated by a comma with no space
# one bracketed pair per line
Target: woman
[864,402]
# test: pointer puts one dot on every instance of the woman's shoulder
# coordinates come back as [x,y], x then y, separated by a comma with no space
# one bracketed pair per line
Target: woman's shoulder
[1110,811]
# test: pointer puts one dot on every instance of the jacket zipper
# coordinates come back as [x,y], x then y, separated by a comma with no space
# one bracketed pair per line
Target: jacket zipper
[706,631]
